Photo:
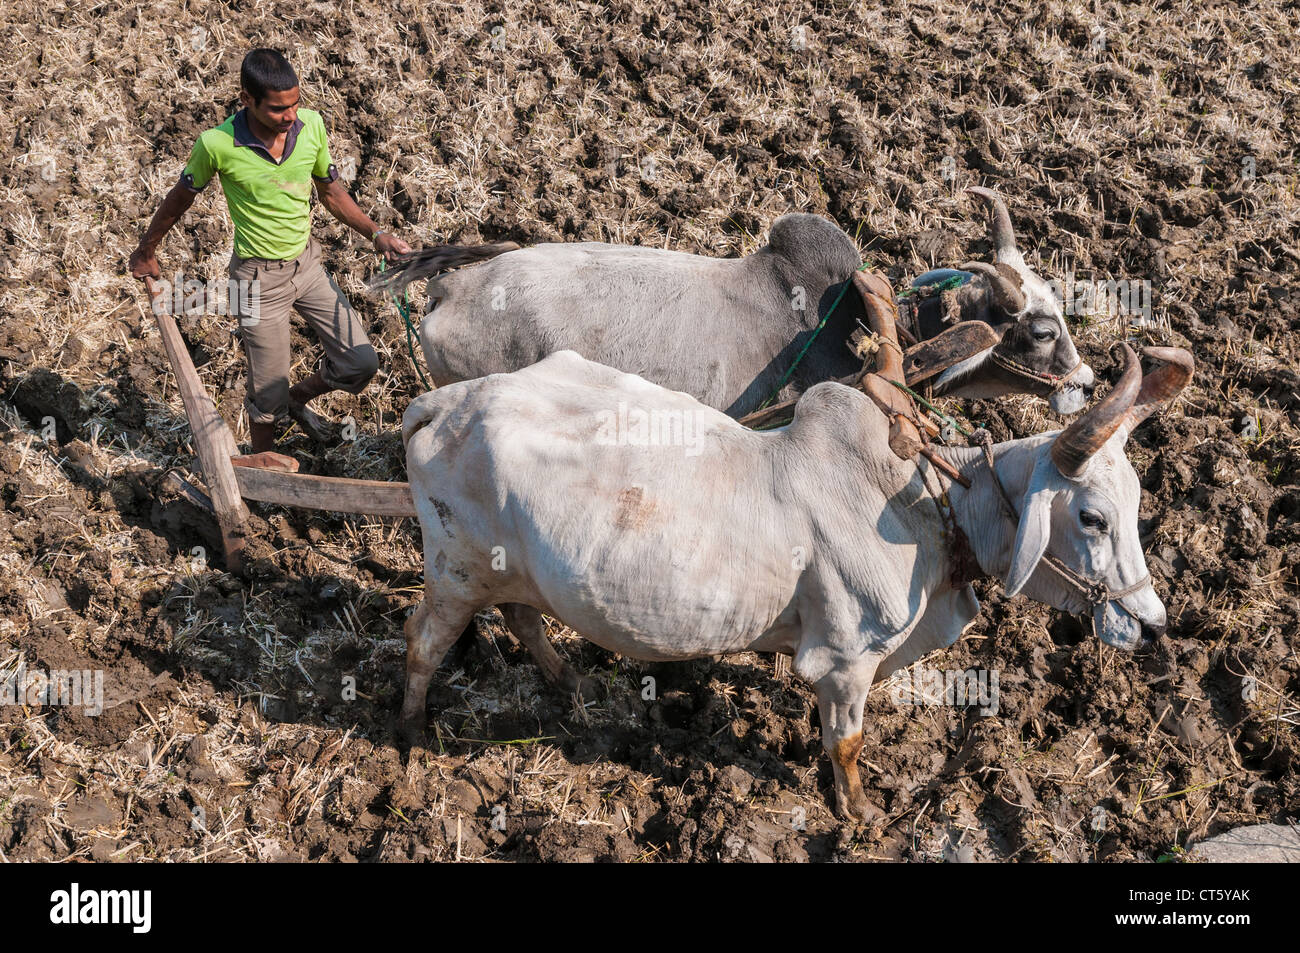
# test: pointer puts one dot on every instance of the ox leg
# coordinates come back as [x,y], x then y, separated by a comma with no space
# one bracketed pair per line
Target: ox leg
[840,699]
[525,624]
[428,637]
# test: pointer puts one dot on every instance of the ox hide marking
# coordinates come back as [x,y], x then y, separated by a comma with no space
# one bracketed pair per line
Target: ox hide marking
[442,566]
[444,515]
[634,510]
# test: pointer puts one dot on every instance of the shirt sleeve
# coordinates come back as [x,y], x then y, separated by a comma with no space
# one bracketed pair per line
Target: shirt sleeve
[323,170]
[200,169]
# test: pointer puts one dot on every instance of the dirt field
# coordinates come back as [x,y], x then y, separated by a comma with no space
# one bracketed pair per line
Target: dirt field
[1134,142]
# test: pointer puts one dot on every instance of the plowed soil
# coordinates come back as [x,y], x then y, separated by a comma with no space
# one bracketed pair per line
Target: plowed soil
[1139,142]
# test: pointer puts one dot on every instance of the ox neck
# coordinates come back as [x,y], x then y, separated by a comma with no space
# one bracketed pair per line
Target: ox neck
[979,510]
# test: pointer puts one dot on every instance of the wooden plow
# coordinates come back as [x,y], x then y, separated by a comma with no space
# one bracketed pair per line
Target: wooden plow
[229,484]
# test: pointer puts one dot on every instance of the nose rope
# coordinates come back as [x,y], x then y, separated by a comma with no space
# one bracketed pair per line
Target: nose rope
[1054,381]
[1094,592]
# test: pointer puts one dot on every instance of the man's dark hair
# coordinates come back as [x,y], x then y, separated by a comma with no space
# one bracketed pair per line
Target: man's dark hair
[265,71]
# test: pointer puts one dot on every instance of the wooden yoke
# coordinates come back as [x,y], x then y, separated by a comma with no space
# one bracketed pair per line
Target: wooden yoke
[882,319]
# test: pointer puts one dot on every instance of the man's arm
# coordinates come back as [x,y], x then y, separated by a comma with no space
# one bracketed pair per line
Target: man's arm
[342,206]
[176,203]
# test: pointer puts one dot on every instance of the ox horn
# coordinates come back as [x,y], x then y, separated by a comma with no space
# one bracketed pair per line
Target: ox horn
[1004,236]
[1161,385]
[1008,295]
[1076,444]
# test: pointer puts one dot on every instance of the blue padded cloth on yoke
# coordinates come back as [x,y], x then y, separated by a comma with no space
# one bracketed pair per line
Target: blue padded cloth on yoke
[938,275]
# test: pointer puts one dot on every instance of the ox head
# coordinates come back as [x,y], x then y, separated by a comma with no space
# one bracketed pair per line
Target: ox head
[1026,312]
[1081,510]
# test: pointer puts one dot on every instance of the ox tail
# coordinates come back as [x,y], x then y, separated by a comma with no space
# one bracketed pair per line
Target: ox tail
[431,261]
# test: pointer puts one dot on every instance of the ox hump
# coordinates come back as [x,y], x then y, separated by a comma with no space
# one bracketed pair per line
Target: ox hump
[812,242]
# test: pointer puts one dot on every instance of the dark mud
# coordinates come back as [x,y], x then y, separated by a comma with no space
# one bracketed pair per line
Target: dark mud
[252,720]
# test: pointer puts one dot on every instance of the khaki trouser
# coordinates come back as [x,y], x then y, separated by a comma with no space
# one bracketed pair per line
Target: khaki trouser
[299,284]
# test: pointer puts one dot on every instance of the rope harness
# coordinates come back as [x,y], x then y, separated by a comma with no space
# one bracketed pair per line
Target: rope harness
[912,300]
[1093,591]
[1053,381]
[404,309]
[964,568]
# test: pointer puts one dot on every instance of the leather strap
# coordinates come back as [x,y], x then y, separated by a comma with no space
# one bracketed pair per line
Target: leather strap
[877,295]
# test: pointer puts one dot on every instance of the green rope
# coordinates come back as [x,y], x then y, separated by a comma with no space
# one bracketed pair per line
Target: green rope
[785,379]
[404,309]
[935,410]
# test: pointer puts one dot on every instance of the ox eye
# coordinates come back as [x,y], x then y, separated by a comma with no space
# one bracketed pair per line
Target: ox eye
[1093,521]
[1044,334]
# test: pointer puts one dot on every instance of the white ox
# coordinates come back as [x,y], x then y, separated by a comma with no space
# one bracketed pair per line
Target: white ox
[543,491]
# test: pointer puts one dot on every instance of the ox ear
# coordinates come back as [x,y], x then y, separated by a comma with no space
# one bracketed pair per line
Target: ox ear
[1035,526]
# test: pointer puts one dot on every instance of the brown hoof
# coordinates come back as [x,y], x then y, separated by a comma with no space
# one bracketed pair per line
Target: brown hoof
[410,733]
[859,810]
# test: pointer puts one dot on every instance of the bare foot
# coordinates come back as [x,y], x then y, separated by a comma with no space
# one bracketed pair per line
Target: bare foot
[310,422]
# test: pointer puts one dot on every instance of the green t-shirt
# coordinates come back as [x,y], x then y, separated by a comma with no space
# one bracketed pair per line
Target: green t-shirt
[269,201]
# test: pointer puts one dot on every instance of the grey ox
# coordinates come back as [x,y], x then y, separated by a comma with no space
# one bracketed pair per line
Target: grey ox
[553,490]
[725,330]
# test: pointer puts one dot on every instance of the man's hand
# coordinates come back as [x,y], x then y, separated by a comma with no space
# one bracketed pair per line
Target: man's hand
[340,204]
[390,246]
[144,262]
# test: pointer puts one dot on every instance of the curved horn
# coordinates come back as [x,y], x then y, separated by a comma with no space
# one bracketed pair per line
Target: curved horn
[1008,296]
[1004,236]
[1161,385]
[1076,444]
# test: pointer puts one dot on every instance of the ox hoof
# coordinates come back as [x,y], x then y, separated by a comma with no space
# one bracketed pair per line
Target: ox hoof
[858,810]
[589,689]
[410,732]
[575,684]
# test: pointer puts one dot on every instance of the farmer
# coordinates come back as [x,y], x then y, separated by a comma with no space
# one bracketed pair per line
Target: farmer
[267,155]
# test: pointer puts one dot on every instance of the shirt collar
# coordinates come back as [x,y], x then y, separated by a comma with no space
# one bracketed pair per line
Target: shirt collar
[244,136]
